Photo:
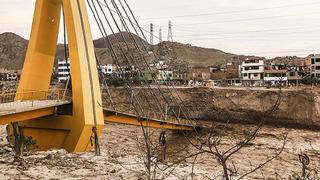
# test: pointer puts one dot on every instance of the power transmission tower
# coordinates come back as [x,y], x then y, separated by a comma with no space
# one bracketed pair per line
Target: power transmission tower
[160,35]
[170,36]
[151,34]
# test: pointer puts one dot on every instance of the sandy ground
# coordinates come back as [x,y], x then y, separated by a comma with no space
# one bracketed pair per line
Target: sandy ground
[122,159]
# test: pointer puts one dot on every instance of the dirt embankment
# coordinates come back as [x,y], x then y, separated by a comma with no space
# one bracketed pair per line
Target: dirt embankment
[296,108]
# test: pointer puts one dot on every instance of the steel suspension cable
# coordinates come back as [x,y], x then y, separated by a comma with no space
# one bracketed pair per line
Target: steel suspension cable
[137,46]
[110,47]
[126,58]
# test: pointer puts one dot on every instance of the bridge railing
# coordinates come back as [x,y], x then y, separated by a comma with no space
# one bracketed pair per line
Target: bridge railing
[31,97]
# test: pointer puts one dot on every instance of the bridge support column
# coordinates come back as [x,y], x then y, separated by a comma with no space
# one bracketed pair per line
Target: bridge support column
[71,132]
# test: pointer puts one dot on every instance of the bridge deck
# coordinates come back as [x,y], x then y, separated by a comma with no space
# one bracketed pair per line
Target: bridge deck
[25,106]
[25,110]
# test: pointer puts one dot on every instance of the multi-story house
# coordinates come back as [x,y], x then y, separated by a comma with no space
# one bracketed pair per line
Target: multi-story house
[226,76]
[314,65]
[296,74]
[252,71]
[275,74]
[63,70]
[198,74]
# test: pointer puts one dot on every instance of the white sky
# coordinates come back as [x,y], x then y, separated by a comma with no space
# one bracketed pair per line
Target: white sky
[256,27]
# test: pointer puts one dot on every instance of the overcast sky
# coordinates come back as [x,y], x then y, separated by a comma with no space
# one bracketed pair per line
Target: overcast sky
[253,27]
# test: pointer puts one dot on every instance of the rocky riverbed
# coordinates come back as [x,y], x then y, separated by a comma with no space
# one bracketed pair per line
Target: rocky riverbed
[122,157]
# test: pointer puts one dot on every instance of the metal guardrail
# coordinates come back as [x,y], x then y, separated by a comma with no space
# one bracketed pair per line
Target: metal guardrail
[29,98]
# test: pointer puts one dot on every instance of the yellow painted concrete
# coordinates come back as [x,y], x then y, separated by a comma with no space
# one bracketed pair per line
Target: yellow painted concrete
[24,116]
[132,120]
[37,70]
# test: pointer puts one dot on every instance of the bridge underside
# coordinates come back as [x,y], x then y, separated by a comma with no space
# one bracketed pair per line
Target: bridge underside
[117,117]
[49,130]
[28,110]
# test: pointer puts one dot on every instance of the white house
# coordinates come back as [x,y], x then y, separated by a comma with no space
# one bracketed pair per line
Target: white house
[251,71]
[107,69]
[63,70]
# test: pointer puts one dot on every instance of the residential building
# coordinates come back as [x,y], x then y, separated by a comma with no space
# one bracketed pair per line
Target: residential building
[198,74]
[107,69]
[178,76]
[9,75]
[226,76]
[158,75]
[313,61]
[252,71]
[63,70]
[275,74]
[159,65]
[3,74]
[296,73]
[12,76]
[165,75]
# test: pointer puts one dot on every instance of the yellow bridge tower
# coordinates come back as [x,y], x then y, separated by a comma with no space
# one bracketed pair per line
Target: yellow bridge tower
[72,132]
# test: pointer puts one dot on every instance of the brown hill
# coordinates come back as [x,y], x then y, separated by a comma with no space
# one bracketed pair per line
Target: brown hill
[119,38]
[13,50]
[288,60]
[192,55]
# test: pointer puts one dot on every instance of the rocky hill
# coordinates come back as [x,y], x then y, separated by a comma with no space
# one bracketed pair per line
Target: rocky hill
[13,50]
[288,60]
[192,55]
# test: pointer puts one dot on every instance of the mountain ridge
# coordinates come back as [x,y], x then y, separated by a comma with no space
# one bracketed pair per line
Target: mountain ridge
[13,49]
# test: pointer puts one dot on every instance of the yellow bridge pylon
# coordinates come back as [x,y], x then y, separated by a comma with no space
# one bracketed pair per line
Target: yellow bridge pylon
[72,132]
[37,108]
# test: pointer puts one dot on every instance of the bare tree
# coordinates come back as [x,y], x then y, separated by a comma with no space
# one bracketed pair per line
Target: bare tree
[213,143]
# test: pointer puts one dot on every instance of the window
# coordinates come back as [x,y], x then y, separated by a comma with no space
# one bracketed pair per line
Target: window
[245,75]
[255,68]
[317,67]
[255,75]
[317,60]
[292,74]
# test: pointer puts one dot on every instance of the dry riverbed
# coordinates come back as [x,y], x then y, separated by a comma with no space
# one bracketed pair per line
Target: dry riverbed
[122,158]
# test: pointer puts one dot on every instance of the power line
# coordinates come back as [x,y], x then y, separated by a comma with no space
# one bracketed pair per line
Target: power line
[255,31]
[233,12]
[243,20]
[285,51]
[135,23]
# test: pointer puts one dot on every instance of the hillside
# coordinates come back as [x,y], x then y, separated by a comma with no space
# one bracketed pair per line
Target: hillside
[13,50]
[192,55]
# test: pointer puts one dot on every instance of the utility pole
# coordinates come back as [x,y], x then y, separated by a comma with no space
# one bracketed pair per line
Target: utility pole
[170,36]
[160,35]
[151,34]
